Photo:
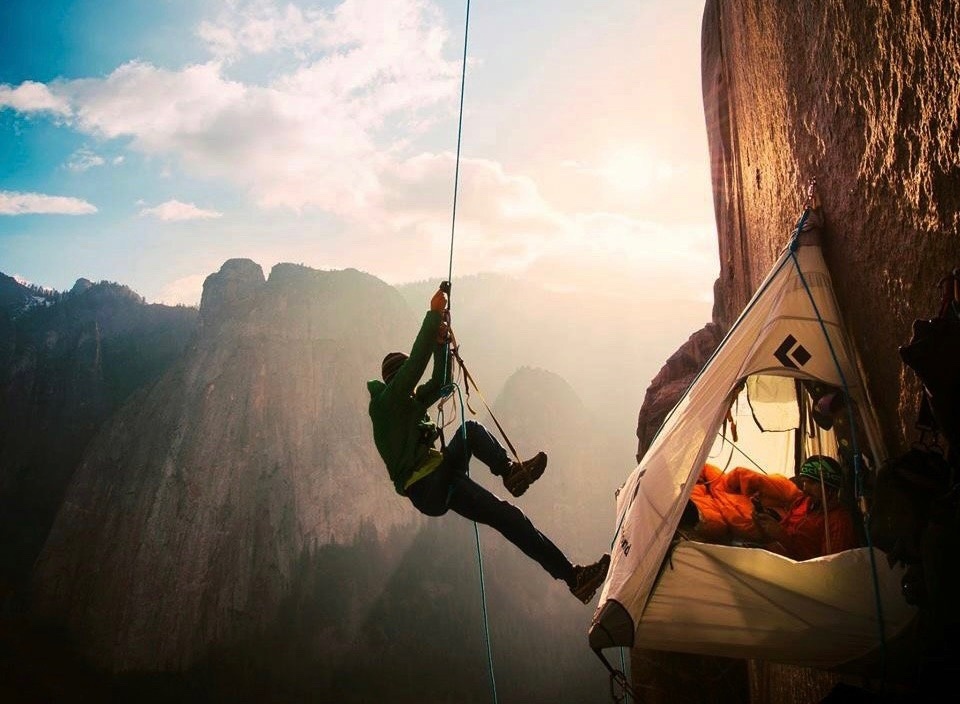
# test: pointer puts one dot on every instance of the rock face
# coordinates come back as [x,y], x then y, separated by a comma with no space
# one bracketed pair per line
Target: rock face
[863,97]
[582,475]
[234,520]
[65,368]
[228,292]
[672,381]
[186,518]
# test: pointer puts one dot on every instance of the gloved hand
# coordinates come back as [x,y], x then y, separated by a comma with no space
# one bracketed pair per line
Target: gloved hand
[444,334]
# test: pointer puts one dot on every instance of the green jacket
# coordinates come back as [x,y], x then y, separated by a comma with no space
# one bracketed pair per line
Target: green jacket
[399,412]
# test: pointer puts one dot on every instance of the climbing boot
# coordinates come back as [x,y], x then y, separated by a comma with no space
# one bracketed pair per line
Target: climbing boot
[520,475]
[588,578]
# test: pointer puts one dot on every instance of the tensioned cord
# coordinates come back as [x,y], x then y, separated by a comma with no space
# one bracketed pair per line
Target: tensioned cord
[448,388]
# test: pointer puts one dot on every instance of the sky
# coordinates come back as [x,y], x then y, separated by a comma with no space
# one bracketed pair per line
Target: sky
[148,141]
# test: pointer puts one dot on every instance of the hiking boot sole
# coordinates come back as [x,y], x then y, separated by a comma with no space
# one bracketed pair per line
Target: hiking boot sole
[520,480]
[586,591]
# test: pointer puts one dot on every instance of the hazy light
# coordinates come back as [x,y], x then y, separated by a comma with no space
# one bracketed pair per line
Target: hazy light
[634,168]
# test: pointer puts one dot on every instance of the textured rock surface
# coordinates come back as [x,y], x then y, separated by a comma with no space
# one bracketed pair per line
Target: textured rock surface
[863,97]
[672,381]
[184,522]
[64,369]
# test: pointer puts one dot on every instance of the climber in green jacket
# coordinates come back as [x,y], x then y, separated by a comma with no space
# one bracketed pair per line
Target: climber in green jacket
[436,481]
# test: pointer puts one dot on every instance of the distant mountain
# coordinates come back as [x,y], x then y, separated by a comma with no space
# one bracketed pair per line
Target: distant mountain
[233,522]
[66,364]
[200,496]
[16,297]
[397,615]
[608,349]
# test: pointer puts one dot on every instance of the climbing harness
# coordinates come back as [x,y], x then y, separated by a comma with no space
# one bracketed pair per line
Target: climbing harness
[468,379]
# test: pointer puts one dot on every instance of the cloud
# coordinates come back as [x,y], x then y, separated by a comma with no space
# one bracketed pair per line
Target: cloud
[261,27]
[31,96]
[316,136]
[629,257]
[632,169]
[174,210]
[502,220]
[505,225]
[15,203]
[185,291]
[83,159]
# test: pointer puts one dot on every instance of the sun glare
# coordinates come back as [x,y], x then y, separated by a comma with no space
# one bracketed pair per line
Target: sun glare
[632,169]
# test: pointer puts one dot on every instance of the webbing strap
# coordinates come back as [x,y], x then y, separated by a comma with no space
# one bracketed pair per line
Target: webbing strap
[468,379]
[617,679]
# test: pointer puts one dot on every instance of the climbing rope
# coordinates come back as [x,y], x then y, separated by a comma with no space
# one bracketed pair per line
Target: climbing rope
[448,388]
[616,676]
[620,687]
[857,474]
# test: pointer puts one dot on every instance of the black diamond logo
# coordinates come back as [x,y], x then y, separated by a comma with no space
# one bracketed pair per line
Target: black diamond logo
[791,354]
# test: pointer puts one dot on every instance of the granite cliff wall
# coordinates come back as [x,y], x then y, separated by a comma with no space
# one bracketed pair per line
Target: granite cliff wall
[184,523]
[862,96]
[65,368]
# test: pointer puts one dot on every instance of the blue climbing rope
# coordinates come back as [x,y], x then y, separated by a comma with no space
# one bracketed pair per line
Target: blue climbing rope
[857,474]
[858,478]
[623,669]
[456,170]
[446,363]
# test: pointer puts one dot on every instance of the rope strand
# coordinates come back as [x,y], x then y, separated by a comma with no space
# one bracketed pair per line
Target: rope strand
[446,361]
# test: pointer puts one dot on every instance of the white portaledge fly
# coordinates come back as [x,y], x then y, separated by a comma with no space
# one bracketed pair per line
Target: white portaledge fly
[681,595]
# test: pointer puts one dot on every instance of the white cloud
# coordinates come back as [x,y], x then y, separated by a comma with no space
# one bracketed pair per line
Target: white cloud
[314,137]
[15,203]
[174,210]
[184,291]
[31,96]
[372,26]
[631,257]
[633,169]
[505,225]
[261,27]
[83,159]
[502,220]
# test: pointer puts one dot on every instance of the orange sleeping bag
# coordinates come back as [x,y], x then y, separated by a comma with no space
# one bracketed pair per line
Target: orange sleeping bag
[723,500]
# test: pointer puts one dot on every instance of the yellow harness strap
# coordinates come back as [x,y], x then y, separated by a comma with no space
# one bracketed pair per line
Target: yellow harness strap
[434,458]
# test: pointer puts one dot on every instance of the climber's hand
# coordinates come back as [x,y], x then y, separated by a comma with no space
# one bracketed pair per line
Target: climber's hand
[769,525]
[445,334]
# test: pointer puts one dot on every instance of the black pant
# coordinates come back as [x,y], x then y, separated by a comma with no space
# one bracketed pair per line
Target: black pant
[449,487]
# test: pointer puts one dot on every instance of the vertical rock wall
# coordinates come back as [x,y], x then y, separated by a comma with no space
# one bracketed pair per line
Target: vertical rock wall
[183,526]
[865,97]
